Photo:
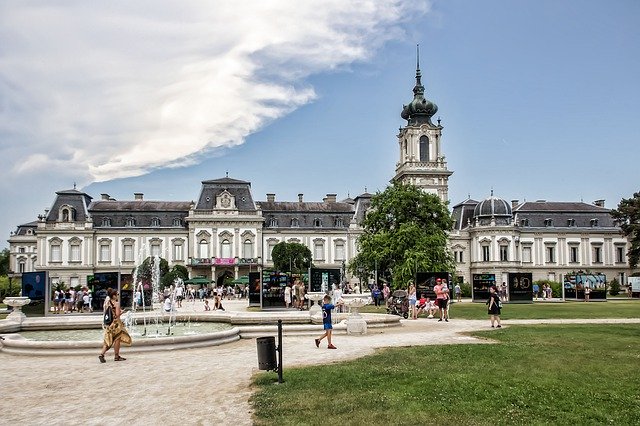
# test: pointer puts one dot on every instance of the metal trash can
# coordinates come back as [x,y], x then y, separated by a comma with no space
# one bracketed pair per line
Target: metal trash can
[267,353]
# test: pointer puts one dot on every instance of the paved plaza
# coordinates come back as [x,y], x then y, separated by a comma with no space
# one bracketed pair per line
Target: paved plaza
[204,386]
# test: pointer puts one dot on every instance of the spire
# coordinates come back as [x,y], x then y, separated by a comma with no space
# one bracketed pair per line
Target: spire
[419,110]
[418,73]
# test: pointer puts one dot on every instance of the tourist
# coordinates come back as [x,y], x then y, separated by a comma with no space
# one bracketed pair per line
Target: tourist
[327,307]
[179,295]
[168,306]
[458,292]
[494,305]
[587,293]
[422,304]
[337,298]
[287,296]
[86,302]
[115,333]
[61,301]
[206,305]
[544,292]
[376,294]
[536,290]
[442,297]
[386,292]
[356,288]
[503,292]
[217,301]
[412,300]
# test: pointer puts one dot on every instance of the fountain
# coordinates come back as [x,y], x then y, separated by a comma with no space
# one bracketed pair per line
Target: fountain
[317,298]
[356,324]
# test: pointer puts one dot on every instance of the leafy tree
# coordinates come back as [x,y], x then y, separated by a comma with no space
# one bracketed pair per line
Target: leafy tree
[178,271]
[145,270]
[627,215]
[4,262]
[292,257]
[614,287]
[405,231]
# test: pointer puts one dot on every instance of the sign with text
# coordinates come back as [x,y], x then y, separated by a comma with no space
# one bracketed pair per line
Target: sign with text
[521,287]
[480,286]
[322,279]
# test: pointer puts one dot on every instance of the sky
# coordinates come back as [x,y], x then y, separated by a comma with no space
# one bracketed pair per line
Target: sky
[538,99]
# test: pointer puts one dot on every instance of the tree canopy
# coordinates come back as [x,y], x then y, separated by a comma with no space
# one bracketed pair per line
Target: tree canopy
[292,257]
[627,215]
[405,231]
[145,270]
[4,262]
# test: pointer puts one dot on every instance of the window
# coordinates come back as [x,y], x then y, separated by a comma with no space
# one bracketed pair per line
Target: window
[317,223]
[247,249]
[273,222]
[225,249]
[74,252]
[21,250]
[597,254]
[74,282]
[106,221]
[548,222]
[203,249]
[178,251]
[155,222]
[56,251]
[295,222]
[594,223]
[21,267]
[424,149]
[526,254]
[127,252]
[105,252]
[571,222]
[156,249]
[130,222]
[573,254]
[524,222]
[485,253]
[504,253]
[339,223]
[270,245]
[551,254]
[177,222]
[459,255]
[340,250]
[318,250]
[620,254]
[68,214]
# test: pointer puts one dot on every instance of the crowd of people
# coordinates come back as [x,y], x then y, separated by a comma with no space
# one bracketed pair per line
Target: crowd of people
[66,301]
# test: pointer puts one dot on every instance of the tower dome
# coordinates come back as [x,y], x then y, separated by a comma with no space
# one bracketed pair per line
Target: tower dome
[420,110]
[492,207]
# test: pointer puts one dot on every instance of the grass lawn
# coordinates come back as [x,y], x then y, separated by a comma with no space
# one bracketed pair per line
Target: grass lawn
[609,309]
[575,374]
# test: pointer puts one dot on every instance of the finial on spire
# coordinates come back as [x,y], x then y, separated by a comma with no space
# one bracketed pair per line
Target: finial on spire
[227,172]
[74,185]
[418,57]
[492,191]
[365,189]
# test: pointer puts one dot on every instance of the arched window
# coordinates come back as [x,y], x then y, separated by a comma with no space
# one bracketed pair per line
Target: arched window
[317,223]
[106,221]
[273,222]
[155,222]
[131,221]
[247,249]
[295,223]
[177,222]
[339,223]
[424,149]
[65,215]
[203,249]
[225,249]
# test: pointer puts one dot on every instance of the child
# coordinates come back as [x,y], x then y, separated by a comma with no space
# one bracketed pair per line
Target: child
[217,301]
[206,305]
[422,304]
[326,322]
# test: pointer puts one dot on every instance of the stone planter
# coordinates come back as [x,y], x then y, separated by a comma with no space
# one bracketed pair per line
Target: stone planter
[16,303]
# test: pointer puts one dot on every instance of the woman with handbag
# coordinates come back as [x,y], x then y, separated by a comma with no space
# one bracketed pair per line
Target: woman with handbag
[494,304]
[114,331]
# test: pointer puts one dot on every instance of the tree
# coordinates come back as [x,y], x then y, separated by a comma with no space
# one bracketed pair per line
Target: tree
[614,287]
[292,257]
[178,271]
[627,215]
[145,270]
[405,231]
[4,262]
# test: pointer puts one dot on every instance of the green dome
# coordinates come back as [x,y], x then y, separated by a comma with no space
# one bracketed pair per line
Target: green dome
[420,110]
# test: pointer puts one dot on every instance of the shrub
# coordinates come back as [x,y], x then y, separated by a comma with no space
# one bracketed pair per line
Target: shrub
[614,287]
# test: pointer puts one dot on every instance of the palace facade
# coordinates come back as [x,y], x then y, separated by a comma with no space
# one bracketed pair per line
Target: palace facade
[227,232]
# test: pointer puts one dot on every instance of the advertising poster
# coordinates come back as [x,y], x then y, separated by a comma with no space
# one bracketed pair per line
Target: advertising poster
[480,286]
[634,282]
[255,288]
[321,280]
[33,285]
[575,285]
[520,287]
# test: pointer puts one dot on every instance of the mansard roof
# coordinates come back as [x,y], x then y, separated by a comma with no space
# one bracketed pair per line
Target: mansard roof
[563,214]
[304,207]
[73,198]
[104,206]
[239,189]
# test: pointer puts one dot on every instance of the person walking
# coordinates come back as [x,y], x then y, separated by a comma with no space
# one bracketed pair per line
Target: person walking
[327,307]
[287,296]
[458,291]
[115,333]
[412,300]
[442,298]
[494,306]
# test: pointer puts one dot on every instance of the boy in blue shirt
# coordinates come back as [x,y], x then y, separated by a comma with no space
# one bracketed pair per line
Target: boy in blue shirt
[327,307]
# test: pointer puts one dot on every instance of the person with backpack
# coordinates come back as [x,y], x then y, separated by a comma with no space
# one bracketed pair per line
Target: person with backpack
[115,332]
[494,306]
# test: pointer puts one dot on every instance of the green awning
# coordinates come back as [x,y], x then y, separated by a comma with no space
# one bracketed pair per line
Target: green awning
[198,281]
[244,279]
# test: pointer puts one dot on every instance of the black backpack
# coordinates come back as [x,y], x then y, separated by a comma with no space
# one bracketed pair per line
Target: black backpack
[108,315]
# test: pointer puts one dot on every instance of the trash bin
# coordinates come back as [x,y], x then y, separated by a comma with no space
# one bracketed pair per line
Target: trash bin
[267,353]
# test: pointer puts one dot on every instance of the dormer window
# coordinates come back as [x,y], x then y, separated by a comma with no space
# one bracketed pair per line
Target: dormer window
[571,222]
[524,222]
[130,222]
[317,223]
[273,222]
[177,222]
[106,221]
[548,222]
[295,223]
[155,222]
[594,223]
[339,222]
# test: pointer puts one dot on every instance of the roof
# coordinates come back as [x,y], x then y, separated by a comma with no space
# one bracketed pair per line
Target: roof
[315,207]
[558,206]
[139,206]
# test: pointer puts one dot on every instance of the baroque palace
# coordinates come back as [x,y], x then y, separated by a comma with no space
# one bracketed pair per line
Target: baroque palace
[227,232]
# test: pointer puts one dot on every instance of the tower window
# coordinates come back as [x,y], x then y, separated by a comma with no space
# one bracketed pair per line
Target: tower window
[424,149]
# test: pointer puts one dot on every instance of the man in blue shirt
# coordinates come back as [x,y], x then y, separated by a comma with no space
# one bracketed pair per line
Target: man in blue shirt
[327,307]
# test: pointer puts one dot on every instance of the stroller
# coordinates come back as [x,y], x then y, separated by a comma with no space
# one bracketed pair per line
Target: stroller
[399,304]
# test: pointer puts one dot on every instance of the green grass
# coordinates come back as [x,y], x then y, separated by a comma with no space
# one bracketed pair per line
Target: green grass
[609,309]
[577,374]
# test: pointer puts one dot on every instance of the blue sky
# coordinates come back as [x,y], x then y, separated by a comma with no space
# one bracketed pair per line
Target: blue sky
[538,99]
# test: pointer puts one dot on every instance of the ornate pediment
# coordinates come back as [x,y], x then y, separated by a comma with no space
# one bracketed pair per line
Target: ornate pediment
[225,201]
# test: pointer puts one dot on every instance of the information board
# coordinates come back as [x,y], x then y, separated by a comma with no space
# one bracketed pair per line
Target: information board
[254,289]
[322,279]
[425,281]
[480,286]
[521,287]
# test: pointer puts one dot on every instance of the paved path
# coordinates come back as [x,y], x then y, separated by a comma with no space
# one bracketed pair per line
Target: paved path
[205,386]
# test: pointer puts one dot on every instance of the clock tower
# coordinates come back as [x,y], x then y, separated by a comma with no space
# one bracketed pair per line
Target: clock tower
[422,162]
